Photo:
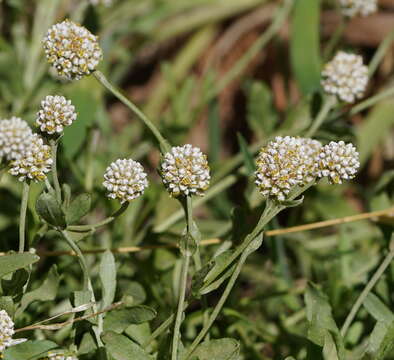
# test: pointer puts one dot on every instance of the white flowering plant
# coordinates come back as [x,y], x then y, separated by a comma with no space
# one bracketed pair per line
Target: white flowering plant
[194,180]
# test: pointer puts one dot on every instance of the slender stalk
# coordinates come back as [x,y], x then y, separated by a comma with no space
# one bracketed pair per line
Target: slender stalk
[164,145]
[163,327]
[183,279]
[56,184]
[328,104]
[179,313]
[84,228]
[85,271]
[22,218]
[371,283]
[87,284]
[218,306]
[372,100]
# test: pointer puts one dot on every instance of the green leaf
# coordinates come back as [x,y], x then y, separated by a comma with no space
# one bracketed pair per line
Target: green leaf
[119,320]
[14,286]
[220,349]
[219,265]
[46,292]
[13,262]
[29,350]
[122,348]
[163,259]
[107,278]
[78,208]
[80,298]
[206,289]
[329,348]
[7,304]
[139,332]
[305,45]
[50,210]
[377,309]
[319,315]
[261,115]
[248,157]
[82,95]
[134,290]
[374,129]
[381,340]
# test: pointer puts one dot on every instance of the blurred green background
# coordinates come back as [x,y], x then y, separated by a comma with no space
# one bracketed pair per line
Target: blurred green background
[224,75]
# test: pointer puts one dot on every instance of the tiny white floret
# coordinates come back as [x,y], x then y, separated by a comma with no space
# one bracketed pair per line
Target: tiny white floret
[345,76]
[125,180]
[185,171]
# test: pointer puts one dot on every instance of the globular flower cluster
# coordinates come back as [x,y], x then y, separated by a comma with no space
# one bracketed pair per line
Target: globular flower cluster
[61,356]
[289,161]
[34,162]
[125,179]
[185,171]
[14,138]
[104,2]
[72,49]
[6,331]
[56,113]
[284,163]
[353,8]
[338,161]
[345,76]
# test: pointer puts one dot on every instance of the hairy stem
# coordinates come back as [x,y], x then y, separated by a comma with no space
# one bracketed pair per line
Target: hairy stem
[371,283]
[164,145]
[85,271]
[218,306]
[328,104]
[183,278]
[56,184]
[22,218]
[87,284]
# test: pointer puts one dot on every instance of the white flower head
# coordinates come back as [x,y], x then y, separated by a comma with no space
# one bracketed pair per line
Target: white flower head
[125,179]
[353,8]
[6,331]
[14,135]
[103,2]
[345,76]
[284,163]
[72,49]
[185,171]
[61,355]
[338,161]
[35,162]
[55,114]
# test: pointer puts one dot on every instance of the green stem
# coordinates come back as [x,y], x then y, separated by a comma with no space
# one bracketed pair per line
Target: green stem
[85,271]
[84,228]
[372,100]
[218,306]
[163,327]
[371,283]
[22,218]
[183,278]
[328,104]
[164,145]
[87,284]
[56,184]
